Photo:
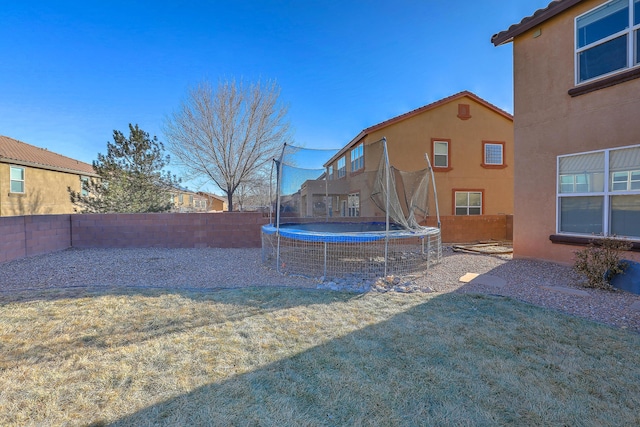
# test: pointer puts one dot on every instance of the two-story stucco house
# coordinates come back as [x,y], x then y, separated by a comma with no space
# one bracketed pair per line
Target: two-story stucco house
[470,145]
[34,181]
[577,127]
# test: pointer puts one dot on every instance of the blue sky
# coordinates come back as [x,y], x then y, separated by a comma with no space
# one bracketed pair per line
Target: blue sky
[74,71]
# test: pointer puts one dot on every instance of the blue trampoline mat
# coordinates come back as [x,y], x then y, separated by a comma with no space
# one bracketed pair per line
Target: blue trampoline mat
[341,232]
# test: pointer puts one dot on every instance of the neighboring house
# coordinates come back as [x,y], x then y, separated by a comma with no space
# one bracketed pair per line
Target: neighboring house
[215,203]
[185,200]
[577,125]
[469,142]
[34,180]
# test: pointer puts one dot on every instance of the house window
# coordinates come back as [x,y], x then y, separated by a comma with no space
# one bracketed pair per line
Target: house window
[357,158]
[493,154]
[468,202]
[190,200]
[625,180]
[330,172]
[599,193]
[84,181]
[354,204]
[181,198]
[607,39]
[342,167]
[440,154]
[16,178]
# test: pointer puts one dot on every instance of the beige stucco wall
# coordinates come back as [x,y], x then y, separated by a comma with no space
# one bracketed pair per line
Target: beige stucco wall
[408,140]
[549,122]
[45,192]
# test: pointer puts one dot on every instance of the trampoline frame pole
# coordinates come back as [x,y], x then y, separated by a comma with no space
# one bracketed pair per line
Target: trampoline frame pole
[386,238]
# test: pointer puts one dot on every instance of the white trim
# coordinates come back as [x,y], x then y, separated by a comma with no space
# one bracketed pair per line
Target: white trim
[607,194]
[487,144]
[23,180]
[342,171]
[468,205]
[435,154]
[632,61]
[357,163]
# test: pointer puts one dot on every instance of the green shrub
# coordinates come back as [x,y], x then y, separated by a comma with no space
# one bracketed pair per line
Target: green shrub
[600,261]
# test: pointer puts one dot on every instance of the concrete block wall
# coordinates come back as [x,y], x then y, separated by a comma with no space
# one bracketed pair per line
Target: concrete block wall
[168,230]
[23,236]
[471,228]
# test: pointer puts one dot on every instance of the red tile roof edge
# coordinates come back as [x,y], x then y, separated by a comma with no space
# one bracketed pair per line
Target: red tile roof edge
[538,17]
[40,157]
[417,111]
[437,104]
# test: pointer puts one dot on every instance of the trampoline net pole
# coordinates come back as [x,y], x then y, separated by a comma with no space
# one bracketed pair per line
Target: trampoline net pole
[386,238]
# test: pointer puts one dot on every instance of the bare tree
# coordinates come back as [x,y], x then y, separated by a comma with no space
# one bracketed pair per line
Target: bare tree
[228,134]
[255,193]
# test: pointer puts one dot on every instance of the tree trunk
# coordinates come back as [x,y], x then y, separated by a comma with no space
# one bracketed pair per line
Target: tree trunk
[230,201]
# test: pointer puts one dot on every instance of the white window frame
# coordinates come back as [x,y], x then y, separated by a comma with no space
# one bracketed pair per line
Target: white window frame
[632,179]
[353,204]
[83,179]
[330,172]
[22,181]
[468,205]
[493,144]
[342,167]
[445,155]
[357,157]
[607,194]
[630,32]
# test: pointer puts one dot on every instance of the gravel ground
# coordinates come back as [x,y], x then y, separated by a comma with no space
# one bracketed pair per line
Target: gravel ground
[539,283]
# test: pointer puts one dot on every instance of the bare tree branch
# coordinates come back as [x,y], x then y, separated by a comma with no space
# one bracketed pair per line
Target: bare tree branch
[228,134]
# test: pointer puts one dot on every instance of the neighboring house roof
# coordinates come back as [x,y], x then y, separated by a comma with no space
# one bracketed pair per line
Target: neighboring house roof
[415,112]
[213,196]
[20,153]
[527,23]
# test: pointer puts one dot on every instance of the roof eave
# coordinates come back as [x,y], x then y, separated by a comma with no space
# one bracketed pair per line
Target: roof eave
[554,8]
[344,149]
[46,167]
[416,112]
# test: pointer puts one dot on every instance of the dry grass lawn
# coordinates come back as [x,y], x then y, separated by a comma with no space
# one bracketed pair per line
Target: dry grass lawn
[276,356]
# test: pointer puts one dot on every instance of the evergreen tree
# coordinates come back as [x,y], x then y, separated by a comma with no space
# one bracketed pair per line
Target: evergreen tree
[131,177]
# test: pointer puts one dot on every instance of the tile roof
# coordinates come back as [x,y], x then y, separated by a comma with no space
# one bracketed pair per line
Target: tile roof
[539,16]
[215,196]
[437,104]
[417,111]
[18,152]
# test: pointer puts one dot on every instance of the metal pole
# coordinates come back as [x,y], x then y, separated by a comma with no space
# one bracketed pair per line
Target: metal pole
[386,239]
[326,193]
[433,184]
[279,181]
[325,261]
[270,199]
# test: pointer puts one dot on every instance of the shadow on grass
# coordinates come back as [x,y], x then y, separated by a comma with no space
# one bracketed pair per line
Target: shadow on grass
[209,308]
[454,360]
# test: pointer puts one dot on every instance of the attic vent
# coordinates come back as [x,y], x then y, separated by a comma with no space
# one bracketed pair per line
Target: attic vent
[464,111]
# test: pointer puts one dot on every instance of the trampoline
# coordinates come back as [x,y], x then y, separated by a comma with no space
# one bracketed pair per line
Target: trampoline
[338,250]
[330,228]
